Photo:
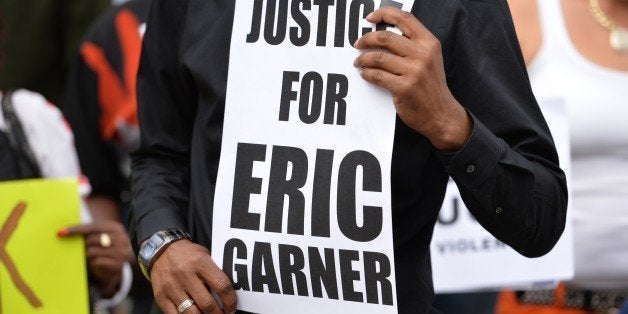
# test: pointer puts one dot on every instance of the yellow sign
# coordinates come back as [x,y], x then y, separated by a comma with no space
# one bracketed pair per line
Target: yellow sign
[40,273]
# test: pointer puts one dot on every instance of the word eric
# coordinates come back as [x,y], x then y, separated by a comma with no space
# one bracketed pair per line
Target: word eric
[288,175]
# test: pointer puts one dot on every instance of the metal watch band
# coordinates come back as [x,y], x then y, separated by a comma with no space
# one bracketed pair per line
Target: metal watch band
[172,235]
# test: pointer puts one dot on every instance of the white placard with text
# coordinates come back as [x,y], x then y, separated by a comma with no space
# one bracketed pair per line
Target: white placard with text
[302,213]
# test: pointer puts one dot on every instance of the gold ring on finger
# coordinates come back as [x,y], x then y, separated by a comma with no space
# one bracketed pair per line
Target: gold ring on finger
[105,240]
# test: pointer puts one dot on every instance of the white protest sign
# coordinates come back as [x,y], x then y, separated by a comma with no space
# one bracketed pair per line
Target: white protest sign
[465,257]
[302,214]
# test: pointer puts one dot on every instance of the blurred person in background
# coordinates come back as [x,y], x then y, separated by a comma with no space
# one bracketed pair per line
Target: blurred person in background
[101,107]
[40,39]
[35,142]
[578,50]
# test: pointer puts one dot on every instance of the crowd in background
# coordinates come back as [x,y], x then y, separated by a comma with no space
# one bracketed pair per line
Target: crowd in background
[82,56]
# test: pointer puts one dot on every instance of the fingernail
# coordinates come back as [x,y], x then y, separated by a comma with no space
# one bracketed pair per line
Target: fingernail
[369,16]
[62,233]
[355,44]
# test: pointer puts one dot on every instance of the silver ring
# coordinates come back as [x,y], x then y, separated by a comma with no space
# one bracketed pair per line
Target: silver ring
[105,240]
[186,304]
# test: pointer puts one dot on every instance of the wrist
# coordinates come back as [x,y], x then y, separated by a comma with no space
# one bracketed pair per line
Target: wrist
[451,134]
[153,247]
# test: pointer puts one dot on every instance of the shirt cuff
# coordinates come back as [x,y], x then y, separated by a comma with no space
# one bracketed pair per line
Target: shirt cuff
[475,161]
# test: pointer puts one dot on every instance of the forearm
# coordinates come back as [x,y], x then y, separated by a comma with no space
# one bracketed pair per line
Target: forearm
[104,207]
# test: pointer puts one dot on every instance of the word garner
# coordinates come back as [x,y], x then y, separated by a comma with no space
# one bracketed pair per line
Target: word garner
[307,269]
[275,23]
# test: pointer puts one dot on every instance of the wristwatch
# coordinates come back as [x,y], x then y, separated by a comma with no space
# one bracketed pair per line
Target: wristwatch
[155,245]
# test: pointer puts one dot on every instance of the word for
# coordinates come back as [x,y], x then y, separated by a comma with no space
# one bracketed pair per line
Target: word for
[312,87]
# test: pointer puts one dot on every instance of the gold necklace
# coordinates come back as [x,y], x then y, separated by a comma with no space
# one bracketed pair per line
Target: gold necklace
[618,37]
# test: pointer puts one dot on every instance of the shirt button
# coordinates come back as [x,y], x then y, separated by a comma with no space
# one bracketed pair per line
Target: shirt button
[470,168]
[499,210]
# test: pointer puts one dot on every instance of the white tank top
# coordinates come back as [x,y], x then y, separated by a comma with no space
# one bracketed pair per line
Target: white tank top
[597,103]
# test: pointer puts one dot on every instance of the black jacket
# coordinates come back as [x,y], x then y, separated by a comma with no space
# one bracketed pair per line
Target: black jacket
[101,94]
[509,162]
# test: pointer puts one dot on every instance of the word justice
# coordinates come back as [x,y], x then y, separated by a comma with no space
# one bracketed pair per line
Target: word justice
[270,21]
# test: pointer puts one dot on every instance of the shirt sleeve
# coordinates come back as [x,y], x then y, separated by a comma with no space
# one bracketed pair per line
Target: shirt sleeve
[508,172]
[166,109]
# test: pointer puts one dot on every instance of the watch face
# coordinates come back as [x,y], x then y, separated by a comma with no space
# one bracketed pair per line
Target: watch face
[156,240]
[148,250]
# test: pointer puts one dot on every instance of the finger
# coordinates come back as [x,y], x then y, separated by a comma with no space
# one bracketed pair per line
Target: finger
[165,304]
[202,297]
[106,226]
[381,59]
[381,78]
[168,307]
[221,284]
[117,240]
[93,239]
[409,25]
[78,229]
[105,262]
[182,297]
[390,41]
[98,251]
[192,310]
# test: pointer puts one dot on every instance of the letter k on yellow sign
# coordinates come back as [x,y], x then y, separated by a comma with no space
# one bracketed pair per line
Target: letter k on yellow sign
[40,273]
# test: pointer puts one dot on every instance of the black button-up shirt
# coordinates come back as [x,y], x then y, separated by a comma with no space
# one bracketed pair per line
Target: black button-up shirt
[507,172]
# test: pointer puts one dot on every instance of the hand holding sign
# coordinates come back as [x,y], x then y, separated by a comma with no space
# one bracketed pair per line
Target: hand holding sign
[182,272]
[410,67]
[105,260]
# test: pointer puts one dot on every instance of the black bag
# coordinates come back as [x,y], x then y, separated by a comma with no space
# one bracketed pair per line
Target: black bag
[17,160]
